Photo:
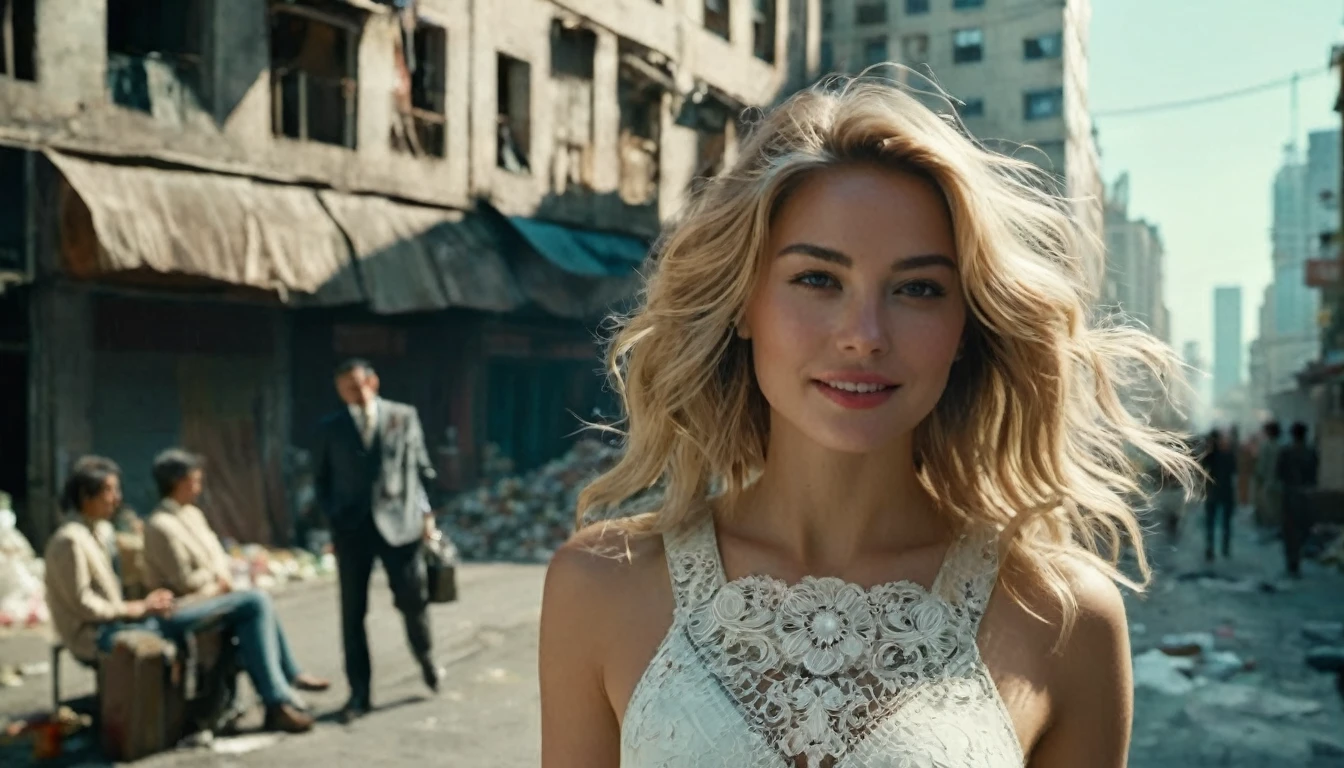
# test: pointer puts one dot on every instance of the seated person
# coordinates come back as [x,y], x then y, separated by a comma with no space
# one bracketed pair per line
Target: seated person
[88,609]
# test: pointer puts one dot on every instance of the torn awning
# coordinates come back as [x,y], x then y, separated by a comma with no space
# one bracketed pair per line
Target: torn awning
[417,259]
[583,252]
[228,228]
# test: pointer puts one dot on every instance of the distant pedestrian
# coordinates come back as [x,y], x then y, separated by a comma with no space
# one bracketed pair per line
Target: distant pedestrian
[1220,464]
[1267,496]
[1296,471]
[371,463]
[1245,470]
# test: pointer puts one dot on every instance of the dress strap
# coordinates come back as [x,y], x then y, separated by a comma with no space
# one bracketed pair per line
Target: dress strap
[693,562]
[969,572]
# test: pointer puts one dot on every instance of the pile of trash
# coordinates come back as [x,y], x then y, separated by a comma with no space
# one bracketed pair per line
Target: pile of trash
[269,569]
[1182,662]
[525,519]
[22,593]
[1327,545]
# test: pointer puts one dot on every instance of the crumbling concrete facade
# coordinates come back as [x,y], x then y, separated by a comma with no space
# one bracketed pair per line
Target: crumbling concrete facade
[213,207]
[225,119]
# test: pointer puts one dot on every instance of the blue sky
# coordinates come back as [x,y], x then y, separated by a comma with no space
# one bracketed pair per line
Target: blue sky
[1203,175]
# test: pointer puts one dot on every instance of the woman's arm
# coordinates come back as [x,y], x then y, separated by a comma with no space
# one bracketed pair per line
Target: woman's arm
[578,726]
[1091,687]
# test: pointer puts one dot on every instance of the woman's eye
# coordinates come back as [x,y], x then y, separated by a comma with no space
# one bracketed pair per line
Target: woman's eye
[921,289]
[815,280]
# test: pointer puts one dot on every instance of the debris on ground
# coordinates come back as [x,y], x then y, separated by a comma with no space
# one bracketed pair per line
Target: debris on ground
[1323,632]
[1326,658]
[1187,644]
[268,569]
[525,518]
[22,593]
[1253,701]
[46,731]
[1166,674]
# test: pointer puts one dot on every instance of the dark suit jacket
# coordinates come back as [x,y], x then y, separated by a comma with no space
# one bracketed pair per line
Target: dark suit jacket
[382,482]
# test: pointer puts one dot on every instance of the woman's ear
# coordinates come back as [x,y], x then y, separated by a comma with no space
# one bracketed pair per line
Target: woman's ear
[743,331]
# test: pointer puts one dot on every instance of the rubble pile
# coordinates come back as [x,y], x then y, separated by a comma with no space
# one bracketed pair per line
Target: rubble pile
[1330,549]
[269,569]
[1182,662]
[525,518]
[22,593]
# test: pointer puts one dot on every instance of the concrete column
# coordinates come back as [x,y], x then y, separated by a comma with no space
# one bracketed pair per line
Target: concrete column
[606,113]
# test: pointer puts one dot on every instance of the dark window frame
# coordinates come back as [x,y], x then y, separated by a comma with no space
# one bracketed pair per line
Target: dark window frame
[967,5]
[972,108]
[510,70]
[917,7]
[968,53]
[1055,97]
[423,127]
[868,47]
[718,17]
[765,30]
[870,13]
[1032,50]
[295,88]
[18,39]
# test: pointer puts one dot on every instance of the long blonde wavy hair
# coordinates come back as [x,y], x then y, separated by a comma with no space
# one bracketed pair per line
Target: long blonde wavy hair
[1031,435]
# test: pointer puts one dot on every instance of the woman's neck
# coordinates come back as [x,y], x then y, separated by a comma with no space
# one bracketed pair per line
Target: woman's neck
[825,508]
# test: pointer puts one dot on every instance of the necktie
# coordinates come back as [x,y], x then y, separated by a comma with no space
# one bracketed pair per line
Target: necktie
[366,426]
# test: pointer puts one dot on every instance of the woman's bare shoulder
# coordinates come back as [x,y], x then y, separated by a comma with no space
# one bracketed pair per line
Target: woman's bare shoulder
[603,566]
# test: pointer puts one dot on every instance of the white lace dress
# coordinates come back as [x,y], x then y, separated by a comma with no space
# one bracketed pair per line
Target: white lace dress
[755,673]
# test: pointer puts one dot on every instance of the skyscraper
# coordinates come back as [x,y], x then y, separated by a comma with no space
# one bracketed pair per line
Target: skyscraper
[1227,352]
[1019,70]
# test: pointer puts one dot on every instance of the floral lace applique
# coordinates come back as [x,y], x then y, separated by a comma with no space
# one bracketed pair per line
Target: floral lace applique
[756,673]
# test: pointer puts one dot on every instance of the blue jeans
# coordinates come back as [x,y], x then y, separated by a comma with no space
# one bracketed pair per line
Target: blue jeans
[249,616]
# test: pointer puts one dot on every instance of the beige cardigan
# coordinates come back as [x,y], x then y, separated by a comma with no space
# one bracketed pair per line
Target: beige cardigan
[83,591]
[182,553]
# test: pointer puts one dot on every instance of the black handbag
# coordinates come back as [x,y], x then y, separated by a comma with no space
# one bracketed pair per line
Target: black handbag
[441,561]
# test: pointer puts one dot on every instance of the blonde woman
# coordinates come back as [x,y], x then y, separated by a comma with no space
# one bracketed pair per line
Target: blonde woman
[893,463]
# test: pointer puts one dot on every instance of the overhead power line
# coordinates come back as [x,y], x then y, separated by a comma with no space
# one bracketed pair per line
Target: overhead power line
[1213,98]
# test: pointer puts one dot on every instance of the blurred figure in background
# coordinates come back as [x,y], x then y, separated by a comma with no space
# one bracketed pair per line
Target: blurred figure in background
[1245,470]
[1220,463]
[183,556]
[1295,469]
[1267,496]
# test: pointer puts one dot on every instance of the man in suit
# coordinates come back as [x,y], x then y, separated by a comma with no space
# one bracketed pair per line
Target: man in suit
[371,461]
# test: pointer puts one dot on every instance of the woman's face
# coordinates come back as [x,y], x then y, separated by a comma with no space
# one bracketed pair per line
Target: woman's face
[858,317]
[104,504]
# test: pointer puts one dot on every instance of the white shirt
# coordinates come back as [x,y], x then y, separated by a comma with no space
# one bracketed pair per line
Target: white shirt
[366,420]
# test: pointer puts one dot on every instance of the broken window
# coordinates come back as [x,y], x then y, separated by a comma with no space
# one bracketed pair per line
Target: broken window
[154,53]
[640,91]
[18,32]
[514,119]
[968,45]
[763,29]
[717,18]
[710,120]
[572,52]
[13,208]
[420,126]
[314,75]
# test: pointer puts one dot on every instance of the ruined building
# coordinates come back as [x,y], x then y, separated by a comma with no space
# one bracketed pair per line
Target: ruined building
[205,204]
